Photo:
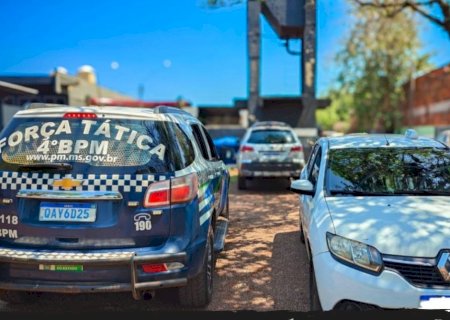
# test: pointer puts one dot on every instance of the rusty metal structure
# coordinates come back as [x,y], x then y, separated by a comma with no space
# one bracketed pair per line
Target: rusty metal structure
[290,19]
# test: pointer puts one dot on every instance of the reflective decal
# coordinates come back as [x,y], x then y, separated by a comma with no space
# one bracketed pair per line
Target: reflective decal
[204,217]
[9,219]
[142,221]
[8,233]
[95,141]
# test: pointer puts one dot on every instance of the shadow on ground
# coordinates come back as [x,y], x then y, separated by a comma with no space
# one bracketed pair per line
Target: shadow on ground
[263,268]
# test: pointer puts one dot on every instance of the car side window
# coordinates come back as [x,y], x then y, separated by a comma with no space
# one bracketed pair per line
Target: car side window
[212,148]
[200,140]
[314,173]
[311,158]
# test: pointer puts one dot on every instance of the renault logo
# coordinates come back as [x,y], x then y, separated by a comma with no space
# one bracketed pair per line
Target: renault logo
[444,266]
[67,183]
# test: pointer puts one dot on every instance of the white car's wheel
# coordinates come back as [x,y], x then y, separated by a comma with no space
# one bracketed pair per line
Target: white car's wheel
[314,301]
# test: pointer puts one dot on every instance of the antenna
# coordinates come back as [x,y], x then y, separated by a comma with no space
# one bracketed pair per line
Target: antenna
[387,141]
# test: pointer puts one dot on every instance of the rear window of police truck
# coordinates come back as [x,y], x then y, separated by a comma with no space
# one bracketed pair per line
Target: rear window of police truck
[134,146]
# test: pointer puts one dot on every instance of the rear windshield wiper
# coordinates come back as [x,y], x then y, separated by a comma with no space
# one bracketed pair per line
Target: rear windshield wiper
[33,167]
[359,193]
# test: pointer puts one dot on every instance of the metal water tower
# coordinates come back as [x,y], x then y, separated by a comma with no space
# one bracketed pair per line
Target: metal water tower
[290,19]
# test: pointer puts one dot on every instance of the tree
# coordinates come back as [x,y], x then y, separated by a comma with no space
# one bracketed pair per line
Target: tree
[380,55]
[221,3]
[423,7]
[336,116]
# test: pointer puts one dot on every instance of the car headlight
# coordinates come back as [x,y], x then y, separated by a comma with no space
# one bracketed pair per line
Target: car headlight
[355,253]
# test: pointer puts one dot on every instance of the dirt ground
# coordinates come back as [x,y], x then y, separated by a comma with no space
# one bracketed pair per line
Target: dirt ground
[263,268]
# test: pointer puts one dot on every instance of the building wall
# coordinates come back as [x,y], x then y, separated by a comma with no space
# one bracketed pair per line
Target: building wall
[55,88]
[78,94]
[428,103]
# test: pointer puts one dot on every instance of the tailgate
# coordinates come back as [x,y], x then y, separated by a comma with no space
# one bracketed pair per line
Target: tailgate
[79,211]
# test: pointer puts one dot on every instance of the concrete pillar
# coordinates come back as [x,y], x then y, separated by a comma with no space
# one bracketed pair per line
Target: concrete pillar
[308,63]
[254,58]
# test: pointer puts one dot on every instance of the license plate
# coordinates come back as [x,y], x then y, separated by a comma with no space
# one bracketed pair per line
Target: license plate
[434,302]
[61,268]
[67,212]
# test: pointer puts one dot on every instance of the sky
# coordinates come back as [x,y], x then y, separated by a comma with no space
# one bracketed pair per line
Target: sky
[172,48]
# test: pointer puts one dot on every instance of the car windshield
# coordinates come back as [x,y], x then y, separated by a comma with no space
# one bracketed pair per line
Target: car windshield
[143,146]
[388,171]
[271,136]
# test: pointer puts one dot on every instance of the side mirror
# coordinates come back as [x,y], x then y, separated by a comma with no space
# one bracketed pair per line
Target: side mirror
[302,187]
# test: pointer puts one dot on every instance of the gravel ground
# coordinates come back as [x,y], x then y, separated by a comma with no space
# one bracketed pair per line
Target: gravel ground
[263,268]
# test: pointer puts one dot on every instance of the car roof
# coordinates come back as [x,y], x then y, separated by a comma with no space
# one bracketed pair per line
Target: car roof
[54,110]
[381,140]
[261,128]
[270,124]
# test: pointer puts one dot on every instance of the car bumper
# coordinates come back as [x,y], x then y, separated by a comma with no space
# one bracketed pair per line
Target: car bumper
[102,271]
[337,282]
[270,169]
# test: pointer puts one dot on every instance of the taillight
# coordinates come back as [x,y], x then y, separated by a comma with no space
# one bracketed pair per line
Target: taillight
[184,189]
[247,149]
[296,149]
[80,115]
[161,267]
[154,268]
[175,190]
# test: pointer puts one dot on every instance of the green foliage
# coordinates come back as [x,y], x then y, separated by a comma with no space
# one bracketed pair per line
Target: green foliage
[336,116]
[381,53]
[221,3]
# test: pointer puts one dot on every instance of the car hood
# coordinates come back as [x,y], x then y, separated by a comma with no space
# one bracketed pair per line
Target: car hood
[404,225]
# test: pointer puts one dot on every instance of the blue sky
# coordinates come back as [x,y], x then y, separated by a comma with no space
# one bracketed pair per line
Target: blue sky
[172,47]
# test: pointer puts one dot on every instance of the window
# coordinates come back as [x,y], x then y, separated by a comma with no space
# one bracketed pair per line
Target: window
[133,145]
[200,140]
[212,147]
[316,167]
[311,157]
[271,136]
[389,170]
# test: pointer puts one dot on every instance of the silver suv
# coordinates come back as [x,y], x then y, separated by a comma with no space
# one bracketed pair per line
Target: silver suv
[269,149]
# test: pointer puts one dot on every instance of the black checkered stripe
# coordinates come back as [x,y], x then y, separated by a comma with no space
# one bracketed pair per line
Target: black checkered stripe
[90,182]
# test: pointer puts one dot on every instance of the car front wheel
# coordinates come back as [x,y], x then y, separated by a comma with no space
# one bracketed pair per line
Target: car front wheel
[302,235]
[314,301]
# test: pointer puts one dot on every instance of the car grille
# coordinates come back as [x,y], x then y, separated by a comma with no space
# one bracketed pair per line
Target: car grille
[419,275]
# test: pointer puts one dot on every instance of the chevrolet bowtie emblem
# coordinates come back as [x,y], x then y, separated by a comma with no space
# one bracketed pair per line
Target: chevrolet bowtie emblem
[67,183]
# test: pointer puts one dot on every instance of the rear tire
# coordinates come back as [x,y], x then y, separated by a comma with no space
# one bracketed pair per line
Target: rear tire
[198,291]
[19,297]
[242,183]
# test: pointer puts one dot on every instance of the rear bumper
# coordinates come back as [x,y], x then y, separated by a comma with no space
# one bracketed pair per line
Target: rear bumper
[127,261]
[270,169]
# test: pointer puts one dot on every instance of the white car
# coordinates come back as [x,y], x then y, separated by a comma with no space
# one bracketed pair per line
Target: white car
[269,149]
[375,219]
